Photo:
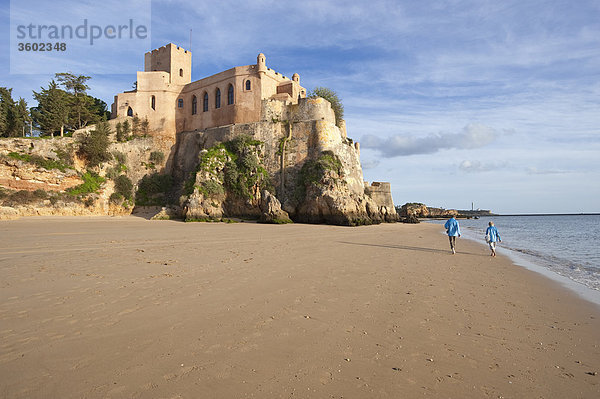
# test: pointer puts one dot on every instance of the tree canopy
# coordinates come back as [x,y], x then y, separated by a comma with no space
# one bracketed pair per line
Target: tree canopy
[52,113]
[14,115]
[67,108]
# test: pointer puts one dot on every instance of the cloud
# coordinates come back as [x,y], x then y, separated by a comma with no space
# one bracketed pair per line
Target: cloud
[472,136]
[478,166]
[536,171]
[370,163]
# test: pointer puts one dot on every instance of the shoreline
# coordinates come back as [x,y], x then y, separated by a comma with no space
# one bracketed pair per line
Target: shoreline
[530,262]
[125,307]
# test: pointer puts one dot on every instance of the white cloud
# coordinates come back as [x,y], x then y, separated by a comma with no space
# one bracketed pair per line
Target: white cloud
[472,136]
[478,166]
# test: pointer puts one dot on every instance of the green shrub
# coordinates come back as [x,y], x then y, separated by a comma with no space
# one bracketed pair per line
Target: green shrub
[93,146]
[153,189]
[65,156]
[89,201]
[21,197]
[116,198]
[236,164]
[124,187]
[91,184]
[41,194]
[211,188]
[157,157]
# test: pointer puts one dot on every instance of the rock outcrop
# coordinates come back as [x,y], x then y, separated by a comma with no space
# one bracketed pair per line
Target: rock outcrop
[312,166]
[271,210]
[417,210]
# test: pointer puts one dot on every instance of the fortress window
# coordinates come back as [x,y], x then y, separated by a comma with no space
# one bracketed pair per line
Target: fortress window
[218,98]
[129,111]
[194,105]
[180,103]
[153,102]
[180,72]
[230,95]
[248,85]
[205,104]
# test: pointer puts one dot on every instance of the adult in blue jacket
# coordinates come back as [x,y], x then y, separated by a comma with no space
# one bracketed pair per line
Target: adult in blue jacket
[492,237]
[453,230]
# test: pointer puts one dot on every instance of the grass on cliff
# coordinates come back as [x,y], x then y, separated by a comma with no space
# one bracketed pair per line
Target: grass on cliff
[39,161]
[91,184]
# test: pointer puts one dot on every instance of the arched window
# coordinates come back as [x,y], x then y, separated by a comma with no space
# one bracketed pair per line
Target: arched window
[180,103]
[205,102]
[194,105]
[230,95]
[153,102]
[129,111]
[180,72]
[218,98]
[248,85]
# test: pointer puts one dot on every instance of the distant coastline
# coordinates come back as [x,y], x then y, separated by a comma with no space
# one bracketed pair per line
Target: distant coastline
[550,214]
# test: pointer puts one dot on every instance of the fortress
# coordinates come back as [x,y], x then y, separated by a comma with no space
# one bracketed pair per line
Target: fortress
[172,103]
[187,118]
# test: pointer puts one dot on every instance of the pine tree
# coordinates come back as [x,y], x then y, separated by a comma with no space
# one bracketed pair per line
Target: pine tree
[51,114]
[13,115]
[76,86]
[126,130]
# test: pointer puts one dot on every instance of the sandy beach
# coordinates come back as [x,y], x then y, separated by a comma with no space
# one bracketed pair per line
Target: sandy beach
[130,308]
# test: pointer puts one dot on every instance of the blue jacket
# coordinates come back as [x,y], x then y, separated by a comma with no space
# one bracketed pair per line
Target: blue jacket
[452,228]
[492,231]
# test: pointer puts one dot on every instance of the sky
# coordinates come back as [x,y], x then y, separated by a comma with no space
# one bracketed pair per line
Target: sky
[495,103]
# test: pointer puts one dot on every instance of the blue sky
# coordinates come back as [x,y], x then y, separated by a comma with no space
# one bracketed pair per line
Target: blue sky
[453,102]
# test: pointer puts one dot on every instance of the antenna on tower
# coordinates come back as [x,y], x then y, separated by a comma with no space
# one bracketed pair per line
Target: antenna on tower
[190,40]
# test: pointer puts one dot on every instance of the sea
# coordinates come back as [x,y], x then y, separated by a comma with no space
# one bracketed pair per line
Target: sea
[565,248]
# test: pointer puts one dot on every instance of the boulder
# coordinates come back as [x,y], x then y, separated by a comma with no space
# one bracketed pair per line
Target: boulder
[271,211]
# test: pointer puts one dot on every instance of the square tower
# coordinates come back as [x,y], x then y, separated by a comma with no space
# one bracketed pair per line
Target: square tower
[172,59]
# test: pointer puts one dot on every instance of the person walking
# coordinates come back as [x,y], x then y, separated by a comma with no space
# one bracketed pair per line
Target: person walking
[453,230]
[492,236]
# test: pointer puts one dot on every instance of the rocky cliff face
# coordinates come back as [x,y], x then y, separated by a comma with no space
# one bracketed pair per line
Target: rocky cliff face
[313,168]
[293,164]
[45,177]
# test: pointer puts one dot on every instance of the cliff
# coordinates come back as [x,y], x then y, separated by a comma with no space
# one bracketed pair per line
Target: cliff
[295,163]
[311,165]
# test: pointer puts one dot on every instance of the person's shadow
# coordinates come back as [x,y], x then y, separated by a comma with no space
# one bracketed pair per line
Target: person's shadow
[411,248]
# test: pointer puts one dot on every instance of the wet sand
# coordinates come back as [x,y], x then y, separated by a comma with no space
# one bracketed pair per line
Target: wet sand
[130,308]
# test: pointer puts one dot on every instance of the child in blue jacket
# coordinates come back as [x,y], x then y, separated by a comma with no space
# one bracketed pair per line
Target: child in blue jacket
[492,236]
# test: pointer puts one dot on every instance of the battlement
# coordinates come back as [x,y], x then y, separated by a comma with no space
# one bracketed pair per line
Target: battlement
[172,59]
[166,48]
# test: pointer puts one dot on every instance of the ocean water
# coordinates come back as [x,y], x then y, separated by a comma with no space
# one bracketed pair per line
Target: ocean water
[564,247]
